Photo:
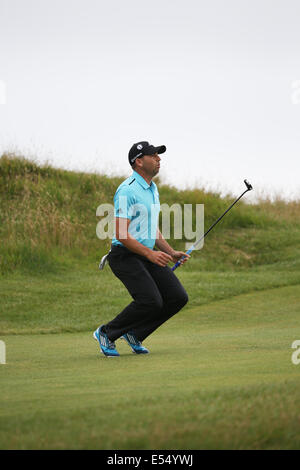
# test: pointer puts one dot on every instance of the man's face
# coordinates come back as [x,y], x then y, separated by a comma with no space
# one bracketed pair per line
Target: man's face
[150,164]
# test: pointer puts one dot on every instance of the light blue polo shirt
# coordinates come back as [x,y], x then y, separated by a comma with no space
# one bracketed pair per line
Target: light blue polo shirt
[138,201]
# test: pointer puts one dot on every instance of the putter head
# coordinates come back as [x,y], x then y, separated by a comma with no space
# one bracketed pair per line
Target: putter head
[249,186]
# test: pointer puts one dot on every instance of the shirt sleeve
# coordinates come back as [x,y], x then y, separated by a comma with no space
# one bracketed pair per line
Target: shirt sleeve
[124,201]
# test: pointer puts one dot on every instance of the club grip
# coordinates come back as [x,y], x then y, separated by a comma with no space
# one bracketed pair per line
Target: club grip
[175,266]
[182,258]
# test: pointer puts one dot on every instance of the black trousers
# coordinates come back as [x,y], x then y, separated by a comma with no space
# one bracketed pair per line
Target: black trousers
[157,294]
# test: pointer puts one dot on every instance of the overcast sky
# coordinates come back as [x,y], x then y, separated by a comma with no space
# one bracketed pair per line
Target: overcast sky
[217,82]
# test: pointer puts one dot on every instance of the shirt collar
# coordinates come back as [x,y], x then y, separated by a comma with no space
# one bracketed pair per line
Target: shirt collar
[141,180]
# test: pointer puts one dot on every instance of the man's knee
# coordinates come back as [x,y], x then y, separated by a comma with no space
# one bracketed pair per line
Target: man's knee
[182,299]
[177,301]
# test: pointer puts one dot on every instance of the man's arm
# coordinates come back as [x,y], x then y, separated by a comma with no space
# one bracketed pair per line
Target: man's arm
[164,246]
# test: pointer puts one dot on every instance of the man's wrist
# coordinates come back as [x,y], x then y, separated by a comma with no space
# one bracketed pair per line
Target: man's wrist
[169,250]
[164,246]
[148,252]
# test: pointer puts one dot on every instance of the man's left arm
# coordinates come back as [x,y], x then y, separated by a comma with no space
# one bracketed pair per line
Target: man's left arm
[162,244]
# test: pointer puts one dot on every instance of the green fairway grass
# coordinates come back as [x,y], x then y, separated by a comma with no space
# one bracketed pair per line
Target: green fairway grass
[219,376]
[79,299]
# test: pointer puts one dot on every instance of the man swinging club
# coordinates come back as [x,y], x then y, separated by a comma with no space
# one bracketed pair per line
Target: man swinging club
[156,291]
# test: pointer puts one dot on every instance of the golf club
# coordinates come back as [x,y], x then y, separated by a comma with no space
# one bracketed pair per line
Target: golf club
[249,188]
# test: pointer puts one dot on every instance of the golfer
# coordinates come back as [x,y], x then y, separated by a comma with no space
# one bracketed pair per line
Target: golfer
[156,291]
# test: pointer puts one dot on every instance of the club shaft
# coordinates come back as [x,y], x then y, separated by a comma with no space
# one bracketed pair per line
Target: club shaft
[210,228]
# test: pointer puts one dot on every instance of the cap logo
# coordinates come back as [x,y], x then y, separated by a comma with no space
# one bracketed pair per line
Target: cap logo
[139,147]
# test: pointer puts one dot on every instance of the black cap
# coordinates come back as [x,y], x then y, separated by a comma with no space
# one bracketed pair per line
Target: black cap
[143,148]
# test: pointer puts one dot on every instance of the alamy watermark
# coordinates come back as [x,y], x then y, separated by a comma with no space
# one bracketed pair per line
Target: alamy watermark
[139,217]
[296,354]
[2,92]
[2,352]
[295,92]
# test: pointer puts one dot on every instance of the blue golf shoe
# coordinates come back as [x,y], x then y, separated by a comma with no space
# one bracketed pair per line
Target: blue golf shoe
[107,347]
[135,344]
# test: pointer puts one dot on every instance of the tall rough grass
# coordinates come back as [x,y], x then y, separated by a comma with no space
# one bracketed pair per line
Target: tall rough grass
[46,212]
[48,215]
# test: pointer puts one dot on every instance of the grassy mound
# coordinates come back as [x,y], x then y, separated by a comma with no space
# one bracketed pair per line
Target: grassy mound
[48,221]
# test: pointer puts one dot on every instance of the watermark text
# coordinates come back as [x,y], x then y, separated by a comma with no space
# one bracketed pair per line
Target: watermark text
[2,352]
[2,92]
[295,92]
[296,354]
[187,224]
